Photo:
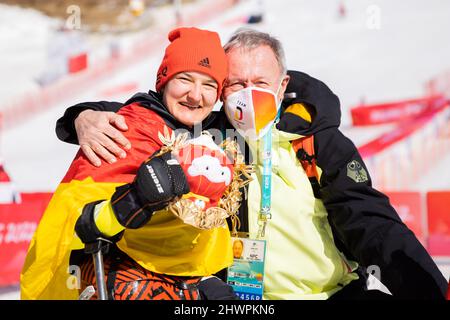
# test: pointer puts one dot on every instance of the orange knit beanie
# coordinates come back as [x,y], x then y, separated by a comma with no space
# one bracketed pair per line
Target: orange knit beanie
[193,49]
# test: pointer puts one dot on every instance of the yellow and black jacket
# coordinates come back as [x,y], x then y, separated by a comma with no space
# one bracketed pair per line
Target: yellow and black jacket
[365,225]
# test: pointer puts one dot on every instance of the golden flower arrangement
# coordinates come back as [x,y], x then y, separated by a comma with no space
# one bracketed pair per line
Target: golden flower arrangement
[228,205]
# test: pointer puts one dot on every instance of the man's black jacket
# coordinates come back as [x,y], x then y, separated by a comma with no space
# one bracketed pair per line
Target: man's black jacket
[365,225]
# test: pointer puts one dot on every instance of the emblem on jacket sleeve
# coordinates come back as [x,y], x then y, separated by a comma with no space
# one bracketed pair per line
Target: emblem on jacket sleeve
[356,172]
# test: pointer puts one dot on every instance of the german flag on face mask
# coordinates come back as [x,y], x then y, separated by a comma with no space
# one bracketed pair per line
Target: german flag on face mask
[165,245]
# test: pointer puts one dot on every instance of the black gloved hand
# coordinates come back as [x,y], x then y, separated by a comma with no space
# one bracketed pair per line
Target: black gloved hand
[159,180]
[213,288]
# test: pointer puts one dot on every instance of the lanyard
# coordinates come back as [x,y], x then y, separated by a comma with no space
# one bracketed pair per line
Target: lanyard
[266,183]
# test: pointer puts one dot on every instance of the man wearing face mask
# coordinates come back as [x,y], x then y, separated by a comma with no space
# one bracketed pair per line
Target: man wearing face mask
[322,236]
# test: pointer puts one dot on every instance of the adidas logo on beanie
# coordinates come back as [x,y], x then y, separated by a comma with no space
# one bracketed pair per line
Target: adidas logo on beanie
[193,49]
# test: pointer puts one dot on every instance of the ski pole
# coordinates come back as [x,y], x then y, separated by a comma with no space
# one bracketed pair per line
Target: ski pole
[97,249]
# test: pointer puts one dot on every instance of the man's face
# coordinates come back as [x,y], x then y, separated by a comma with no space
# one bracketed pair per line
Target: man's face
[237,249]
[254,68]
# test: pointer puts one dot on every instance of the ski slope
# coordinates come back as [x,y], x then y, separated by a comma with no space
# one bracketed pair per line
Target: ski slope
[355,60]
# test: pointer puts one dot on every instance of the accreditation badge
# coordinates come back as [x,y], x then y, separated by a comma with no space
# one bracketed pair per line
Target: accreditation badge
[246,275]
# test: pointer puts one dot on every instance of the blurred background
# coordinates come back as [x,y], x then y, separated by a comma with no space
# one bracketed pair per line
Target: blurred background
[388,61]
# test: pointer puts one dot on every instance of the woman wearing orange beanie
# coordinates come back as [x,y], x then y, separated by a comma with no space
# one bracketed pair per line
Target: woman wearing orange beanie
[156,253]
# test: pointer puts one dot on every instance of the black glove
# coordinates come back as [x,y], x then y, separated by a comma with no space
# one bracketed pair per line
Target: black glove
[214,288]
[159,180]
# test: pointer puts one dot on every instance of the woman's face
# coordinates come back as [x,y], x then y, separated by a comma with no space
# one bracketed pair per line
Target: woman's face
[190,96]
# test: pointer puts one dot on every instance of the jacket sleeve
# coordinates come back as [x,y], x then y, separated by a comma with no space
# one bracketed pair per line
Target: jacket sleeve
[65,126]
[366,224]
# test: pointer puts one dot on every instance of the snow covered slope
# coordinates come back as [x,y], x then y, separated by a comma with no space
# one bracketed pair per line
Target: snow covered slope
[355,56]
[352,55]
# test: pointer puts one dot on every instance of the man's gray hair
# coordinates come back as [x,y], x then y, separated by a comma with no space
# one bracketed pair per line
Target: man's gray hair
[250,39]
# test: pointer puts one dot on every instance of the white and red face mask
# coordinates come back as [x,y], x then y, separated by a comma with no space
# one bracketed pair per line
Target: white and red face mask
[252,111]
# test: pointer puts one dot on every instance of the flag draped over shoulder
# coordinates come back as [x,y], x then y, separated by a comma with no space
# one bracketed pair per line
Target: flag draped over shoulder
[46,272]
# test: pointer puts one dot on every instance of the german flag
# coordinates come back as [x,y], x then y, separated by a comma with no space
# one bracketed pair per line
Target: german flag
[165,245]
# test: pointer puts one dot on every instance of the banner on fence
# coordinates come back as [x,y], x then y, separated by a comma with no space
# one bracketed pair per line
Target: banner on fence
[438,203]
[18,223]
[383,113]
